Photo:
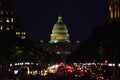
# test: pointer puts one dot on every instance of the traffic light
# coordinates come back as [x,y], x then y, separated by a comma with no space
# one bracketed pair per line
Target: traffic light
[106,61]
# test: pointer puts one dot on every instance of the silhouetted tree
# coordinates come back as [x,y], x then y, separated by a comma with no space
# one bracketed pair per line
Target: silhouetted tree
[105,36]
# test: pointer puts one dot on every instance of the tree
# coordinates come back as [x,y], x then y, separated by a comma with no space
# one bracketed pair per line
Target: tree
[105,38]
[101,53]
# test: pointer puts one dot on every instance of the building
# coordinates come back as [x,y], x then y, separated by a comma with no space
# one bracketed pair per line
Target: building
[59,32]
[8,20]
[59,40]
[59,48]
[20,33]
[114,10]
[7,15]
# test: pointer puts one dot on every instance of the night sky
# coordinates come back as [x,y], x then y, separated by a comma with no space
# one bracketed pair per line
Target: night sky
[80,16]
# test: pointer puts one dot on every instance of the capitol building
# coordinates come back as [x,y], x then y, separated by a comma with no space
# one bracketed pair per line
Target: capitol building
[59,40]
[59,32]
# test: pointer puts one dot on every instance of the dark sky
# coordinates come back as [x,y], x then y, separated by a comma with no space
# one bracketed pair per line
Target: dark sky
[80,16]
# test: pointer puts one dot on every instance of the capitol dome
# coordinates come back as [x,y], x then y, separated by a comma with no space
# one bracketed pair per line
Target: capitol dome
[60,25]
[59,32]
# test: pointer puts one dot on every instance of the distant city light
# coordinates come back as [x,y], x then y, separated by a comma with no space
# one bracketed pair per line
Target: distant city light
[15,71]
[119,65]
[111,64]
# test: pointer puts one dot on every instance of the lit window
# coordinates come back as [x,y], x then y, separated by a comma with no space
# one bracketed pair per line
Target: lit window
[1,27]
[77,41]
[58,52]
[12,20]
[17,33]
[7,28]
[7,20]
[61,38]
[23,33]
[110,8]
[111,14]
[22,37]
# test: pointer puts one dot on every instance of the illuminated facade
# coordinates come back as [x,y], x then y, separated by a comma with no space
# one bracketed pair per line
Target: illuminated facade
[21,34]
[7,14]
[60,36]
[8,18]
[114,10]
[59,32]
